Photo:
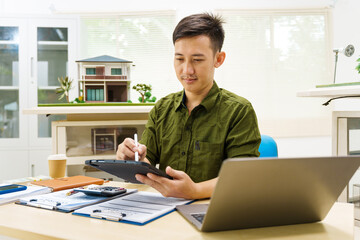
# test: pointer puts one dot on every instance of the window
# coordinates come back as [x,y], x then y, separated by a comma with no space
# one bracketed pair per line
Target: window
[145,38]
[116,71]
[271,55]
[95,94]
[90,71]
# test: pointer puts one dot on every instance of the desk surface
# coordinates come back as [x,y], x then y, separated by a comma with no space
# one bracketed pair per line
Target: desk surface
[31,223]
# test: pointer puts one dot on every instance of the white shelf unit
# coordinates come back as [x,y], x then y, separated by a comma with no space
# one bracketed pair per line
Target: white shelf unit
[25,147]
[346,141]
[61,141]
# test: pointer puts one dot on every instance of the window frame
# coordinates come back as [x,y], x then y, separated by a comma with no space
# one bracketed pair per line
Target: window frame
[116,69]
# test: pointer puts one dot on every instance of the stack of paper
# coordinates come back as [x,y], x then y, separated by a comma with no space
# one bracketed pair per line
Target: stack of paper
[30,191]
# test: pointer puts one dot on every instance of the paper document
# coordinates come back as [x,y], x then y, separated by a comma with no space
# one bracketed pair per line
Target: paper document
[66,200]
[138,208]
[30,191]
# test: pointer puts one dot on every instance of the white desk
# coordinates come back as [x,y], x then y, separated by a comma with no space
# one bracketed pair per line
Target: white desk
[331,92]
[31,223]
[94,113]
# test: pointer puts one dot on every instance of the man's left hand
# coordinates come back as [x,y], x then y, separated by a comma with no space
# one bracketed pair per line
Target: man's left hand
[181,186]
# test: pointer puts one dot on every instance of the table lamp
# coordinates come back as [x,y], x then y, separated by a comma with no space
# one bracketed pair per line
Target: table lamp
[348,51]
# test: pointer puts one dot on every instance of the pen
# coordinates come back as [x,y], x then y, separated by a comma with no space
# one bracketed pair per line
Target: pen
[72,192]
[136,144]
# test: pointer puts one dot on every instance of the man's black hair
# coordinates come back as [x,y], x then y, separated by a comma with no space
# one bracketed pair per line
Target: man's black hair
[201,24]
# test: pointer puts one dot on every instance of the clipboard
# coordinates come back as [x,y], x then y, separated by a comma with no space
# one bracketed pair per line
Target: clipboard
[66,200]
[138,208]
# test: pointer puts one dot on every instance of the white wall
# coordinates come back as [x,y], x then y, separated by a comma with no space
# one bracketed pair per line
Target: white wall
[346,31]
[346,16]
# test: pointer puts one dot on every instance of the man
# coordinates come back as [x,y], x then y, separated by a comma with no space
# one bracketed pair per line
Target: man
[191,132]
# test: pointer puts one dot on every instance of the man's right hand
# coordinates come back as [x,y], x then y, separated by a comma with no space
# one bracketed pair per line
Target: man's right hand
[126,150]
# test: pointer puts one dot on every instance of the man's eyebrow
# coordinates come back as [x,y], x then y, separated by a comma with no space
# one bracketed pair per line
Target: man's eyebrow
[193,55]
[198,55]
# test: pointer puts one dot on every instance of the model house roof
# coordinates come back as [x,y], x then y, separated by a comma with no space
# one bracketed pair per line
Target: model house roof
[105,58]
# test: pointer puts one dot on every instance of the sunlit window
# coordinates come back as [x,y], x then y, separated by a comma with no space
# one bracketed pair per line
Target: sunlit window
[272,55]
[145,38]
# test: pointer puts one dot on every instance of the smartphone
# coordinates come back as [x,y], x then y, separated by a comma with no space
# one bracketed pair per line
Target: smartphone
[11,188]
[104,191]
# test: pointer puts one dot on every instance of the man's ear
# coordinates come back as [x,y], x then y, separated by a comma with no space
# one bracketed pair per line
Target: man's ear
[219,59]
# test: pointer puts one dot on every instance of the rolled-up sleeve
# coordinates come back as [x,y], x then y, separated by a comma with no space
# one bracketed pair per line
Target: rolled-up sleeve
[243,138]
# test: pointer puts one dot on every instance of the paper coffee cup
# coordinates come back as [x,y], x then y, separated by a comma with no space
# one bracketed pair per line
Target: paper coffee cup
[57,165]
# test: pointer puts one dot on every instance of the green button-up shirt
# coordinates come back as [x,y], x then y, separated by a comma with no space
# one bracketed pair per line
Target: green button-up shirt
[223,126]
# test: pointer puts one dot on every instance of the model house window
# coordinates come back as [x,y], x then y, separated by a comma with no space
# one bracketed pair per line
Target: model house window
[90,71]
[95,94]
[116,71]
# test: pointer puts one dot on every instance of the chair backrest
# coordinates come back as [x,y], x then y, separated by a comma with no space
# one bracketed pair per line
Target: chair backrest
[268,147]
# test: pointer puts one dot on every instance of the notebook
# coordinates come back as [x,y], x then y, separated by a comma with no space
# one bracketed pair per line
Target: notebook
[262,192]
[30,191]
[58,184]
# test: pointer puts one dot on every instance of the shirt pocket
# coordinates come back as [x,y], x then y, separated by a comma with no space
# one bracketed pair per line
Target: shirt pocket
[207,160]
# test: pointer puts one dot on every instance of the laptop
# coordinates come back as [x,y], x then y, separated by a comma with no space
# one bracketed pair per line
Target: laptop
[263,192]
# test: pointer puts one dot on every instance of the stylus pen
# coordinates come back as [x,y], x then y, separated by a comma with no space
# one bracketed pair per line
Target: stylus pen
[136,144]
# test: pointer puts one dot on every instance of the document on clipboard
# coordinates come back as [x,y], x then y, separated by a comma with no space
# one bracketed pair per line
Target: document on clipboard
[66,200]
[138,208]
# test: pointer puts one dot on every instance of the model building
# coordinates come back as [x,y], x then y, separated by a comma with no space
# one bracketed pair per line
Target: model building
[104,79]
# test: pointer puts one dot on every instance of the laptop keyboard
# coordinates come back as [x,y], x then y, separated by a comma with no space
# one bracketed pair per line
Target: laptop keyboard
[199,216]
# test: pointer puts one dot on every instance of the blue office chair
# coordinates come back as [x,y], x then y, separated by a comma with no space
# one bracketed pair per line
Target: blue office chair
[268,147]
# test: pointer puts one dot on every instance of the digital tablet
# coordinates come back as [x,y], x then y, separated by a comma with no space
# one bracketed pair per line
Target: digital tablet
[125,169]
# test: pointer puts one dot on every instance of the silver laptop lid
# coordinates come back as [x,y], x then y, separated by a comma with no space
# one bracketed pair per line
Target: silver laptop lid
[261,192]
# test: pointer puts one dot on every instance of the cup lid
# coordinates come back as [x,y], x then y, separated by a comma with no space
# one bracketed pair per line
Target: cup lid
[57,157]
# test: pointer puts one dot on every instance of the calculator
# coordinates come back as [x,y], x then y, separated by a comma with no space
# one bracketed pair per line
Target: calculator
[105,191]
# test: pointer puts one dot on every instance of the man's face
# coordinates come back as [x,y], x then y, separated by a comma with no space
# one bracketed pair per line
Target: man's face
[195,63]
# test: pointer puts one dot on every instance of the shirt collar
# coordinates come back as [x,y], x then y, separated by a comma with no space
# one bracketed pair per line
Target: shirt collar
[207,102]
[181,101]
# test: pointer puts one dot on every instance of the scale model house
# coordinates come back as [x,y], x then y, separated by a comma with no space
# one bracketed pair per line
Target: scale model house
[104,79]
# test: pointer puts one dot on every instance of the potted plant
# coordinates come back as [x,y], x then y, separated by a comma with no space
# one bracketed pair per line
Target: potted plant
[145,93]
[65,86]
[358,66]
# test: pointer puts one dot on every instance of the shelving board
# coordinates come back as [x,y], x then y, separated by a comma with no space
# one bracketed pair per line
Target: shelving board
[331,92]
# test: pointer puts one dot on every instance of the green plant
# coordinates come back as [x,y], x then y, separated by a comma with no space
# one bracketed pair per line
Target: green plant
[145,92]
[358,66]
[65,86]
[78,100]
